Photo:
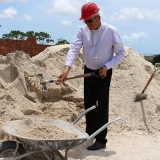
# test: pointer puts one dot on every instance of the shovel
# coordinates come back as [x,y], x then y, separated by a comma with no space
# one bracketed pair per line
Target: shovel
[44,82]
[142,96]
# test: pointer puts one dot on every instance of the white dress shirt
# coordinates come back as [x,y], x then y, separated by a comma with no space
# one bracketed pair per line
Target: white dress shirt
[99,47]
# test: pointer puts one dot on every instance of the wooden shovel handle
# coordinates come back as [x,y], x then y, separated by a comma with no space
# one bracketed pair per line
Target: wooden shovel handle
[79,76]
[148,83]
[74,77]
[156,65]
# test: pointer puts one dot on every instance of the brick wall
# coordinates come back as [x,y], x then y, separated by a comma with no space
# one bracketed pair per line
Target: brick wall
[28,46]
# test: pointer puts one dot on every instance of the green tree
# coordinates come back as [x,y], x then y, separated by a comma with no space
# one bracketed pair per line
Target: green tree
[62,41]
[30,34]
[156,59]
[17,35]
[41,37]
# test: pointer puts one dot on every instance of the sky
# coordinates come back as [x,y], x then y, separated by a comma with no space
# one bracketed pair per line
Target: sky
[138,21]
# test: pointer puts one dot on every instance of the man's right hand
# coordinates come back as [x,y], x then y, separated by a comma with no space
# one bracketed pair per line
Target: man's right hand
[62,77]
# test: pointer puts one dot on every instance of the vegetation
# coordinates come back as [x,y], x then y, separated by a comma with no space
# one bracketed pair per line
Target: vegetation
[62,41]
[156,59]
[18,35]
[41,37]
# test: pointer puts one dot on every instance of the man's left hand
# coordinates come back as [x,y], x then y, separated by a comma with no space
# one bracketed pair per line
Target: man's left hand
[103,72]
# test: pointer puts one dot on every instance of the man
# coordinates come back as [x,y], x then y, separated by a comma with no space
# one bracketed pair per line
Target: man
[99,41]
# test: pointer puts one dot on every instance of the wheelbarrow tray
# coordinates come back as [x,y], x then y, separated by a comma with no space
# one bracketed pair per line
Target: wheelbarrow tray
[12,127]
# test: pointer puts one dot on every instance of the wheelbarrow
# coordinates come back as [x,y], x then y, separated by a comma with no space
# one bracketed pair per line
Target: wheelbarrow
[22,146]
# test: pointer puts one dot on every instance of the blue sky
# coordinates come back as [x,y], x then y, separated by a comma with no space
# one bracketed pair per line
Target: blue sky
[138,21]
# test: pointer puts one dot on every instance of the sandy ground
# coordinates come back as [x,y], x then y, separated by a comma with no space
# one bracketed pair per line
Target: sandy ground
[135,136]
[123,146]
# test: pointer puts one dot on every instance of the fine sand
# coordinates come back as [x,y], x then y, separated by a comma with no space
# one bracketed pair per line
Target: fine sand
[135,137]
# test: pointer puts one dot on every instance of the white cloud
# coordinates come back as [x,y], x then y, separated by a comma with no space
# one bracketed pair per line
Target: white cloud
[26,18]
[66,23]
[66,6]
[136,14]
[9,13]
[135,36]
[128,13]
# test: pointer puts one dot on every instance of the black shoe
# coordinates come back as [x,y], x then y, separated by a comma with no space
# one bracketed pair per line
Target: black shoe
[96,146]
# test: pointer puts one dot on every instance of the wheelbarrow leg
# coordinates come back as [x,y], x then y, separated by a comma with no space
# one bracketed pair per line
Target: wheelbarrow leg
[45,155]
[16,149]
[66,153]
[58,154]
[53,153]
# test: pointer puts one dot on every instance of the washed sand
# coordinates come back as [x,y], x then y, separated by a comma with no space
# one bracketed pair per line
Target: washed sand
[135,136]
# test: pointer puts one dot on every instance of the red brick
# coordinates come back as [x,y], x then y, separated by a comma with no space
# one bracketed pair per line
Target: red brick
[28,46]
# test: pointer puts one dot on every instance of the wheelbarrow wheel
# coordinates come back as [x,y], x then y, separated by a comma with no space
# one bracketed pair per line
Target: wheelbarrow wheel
[7,149]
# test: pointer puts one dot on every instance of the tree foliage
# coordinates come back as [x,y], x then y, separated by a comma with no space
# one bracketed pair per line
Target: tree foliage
[30,34]
[156,59]
[17,35]
[41,37]
[62,41]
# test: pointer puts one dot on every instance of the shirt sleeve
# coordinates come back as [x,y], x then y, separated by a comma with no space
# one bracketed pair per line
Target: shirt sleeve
[119,52]
[75,49]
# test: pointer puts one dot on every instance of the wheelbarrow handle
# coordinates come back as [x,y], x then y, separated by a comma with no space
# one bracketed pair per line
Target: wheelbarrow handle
[102,128]
[97,132]
[83,113]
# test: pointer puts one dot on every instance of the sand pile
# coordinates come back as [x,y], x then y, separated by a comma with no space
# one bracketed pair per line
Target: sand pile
[22,97]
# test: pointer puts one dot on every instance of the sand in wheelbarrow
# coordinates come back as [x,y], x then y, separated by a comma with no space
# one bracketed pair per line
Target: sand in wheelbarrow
[45,131]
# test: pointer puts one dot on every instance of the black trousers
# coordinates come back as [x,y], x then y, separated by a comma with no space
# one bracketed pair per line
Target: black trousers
[97,89]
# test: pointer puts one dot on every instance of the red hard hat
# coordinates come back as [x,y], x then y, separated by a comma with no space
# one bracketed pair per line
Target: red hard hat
[88,10]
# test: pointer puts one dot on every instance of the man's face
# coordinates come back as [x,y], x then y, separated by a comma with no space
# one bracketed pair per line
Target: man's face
[93,22]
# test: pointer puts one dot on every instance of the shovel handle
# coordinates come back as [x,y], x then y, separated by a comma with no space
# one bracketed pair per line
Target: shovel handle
[79,76]
[43,82]
[74,77]
[148,83]
[83,75]
[156,65]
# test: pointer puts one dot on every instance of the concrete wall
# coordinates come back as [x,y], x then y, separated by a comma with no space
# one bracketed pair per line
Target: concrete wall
[28,46]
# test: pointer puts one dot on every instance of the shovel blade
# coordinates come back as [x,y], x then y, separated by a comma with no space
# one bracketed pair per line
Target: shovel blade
[140,96]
